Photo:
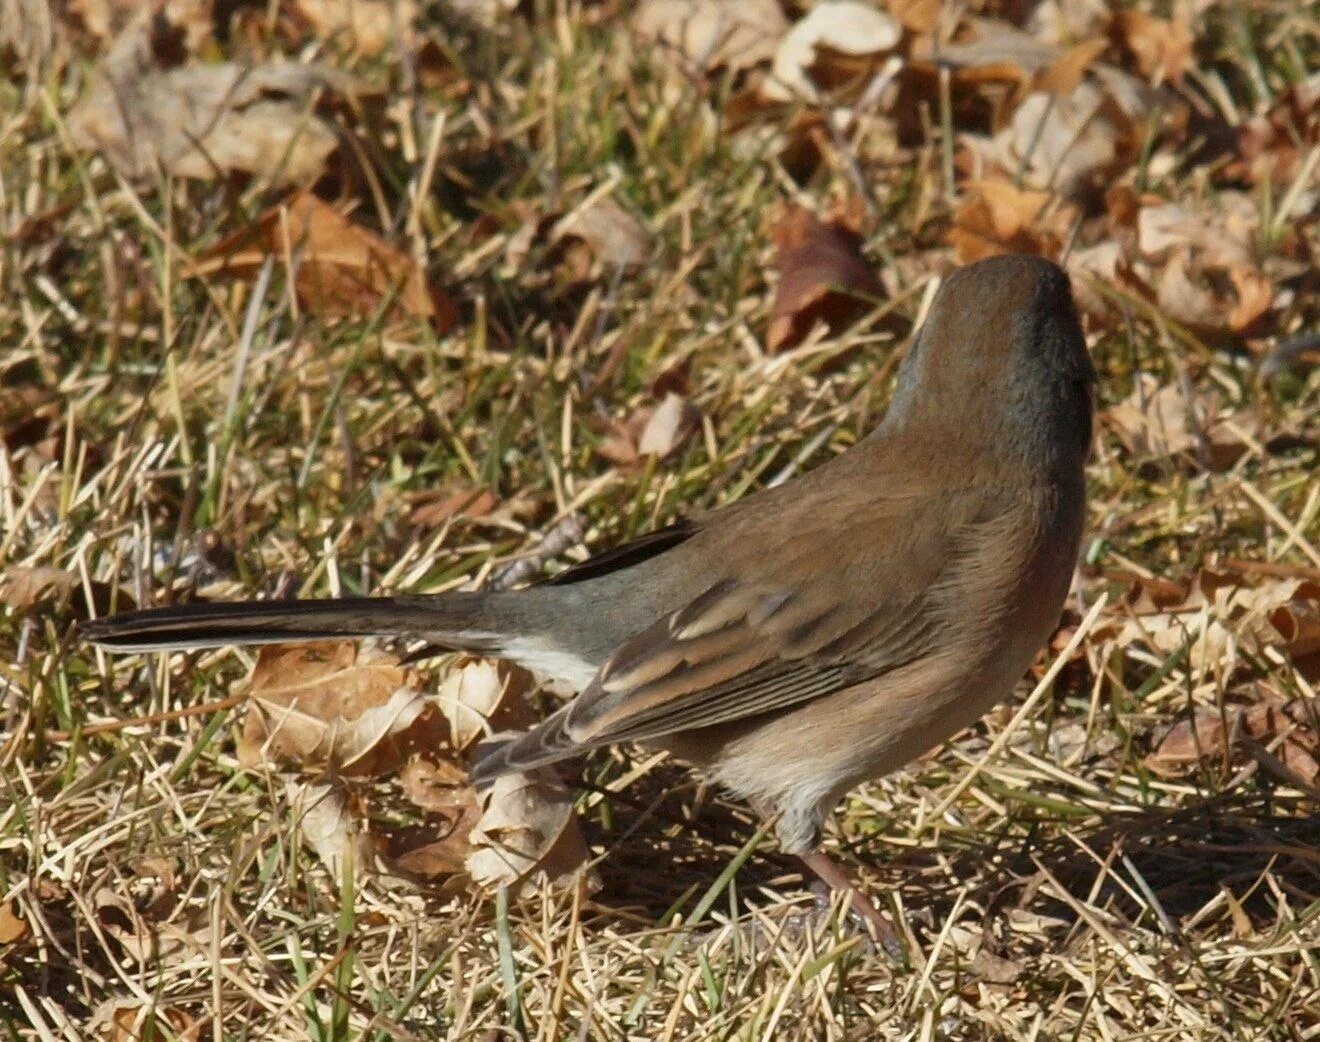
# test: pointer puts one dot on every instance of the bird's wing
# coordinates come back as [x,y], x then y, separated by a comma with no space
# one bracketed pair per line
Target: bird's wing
[767,641]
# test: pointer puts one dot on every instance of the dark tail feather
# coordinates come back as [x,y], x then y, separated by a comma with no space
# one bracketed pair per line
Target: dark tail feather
[504,754]
[452,619]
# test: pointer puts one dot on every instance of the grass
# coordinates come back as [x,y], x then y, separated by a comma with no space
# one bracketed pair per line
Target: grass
[166,434]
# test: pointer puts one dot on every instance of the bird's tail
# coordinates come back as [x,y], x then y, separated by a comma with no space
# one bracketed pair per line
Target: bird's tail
[451,620]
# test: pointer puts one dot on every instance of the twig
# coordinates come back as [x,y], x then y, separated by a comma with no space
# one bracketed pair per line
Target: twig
[146,721]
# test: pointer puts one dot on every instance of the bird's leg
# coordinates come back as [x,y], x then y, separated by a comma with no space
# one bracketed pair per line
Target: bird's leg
[837,877]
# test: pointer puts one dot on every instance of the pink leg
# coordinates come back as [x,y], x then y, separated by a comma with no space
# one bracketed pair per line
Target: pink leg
[837,878]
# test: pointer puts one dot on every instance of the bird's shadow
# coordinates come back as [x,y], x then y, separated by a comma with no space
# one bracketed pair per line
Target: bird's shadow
[662,850]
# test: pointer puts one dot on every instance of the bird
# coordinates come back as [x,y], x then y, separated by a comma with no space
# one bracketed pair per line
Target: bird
[808,637]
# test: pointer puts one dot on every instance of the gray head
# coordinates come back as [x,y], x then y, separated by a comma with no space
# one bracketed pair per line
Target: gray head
[1003,349]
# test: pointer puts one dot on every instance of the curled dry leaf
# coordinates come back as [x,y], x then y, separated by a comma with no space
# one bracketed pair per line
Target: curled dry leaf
[1288,727]
[655,431]
[1277,146]
[1161,48]
[1066,140]
[527,828]
[440,846]
[330,704]
[671,424]
[323,814]
[22,586]
[482,696]
[836,41]
[204,121]
[822,277]
[713,34]
[432,508]
[1218,611]
[996,217]
[365,26]
[1207,273]
[340,268]
[1159,421]
[13,927]
[612,235]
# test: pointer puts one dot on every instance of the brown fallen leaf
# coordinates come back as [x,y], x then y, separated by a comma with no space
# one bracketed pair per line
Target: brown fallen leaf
[610,234]
[1158,421]
[479,697]
[365,27]
[322,811]
[1287,727]
[1274,147]
[995,968]
[712,34]
[434,509]
[656,431]
[22,586]
[207,120]
[440,846]
[836,41]
[13,927]
[1068,141]
[527,829]
[341,269]
[1160,47]
[126,1021]
[333,704]
[1222,610]
[822,277]
[996,217]
[669,427]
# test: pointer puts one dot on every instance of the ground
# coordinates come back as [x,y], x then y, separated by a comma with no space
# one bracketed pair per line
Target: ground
[590,281]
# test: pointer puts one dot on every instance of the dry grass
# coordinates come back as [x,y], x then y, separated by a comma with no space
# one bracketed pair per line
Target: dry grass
[165,434]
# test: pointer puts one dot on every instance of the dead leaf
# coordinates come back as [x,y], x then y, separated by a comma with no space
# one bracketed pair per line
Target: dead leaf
[441,845]
[1159,421]
[120,918]
[822,278]
[12,926]
[22,587]
[203,121]
[713,34]
[920,16]
[435,509]
[1287,727]
[120,1021]
[1064,74]
[672,423]
[1161,48]
[332,704]
[365,26]
[837,40]
[1275,146]
[1255,297]
[527,828]
[1067,141]
[435,785]
[486,13]
[995,968]
[479,697]
[322,811]
[1221,610]
[341,269]
[614,236]
[996,218]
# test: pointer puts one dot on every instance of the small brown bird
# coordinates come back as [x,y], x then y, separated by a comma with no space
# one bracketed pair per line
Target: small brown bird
[814,635]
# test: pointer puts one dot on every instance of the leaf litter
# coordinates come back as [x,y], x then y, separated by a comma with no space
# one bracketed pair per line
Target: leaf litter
[1165,153]
[349,715]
